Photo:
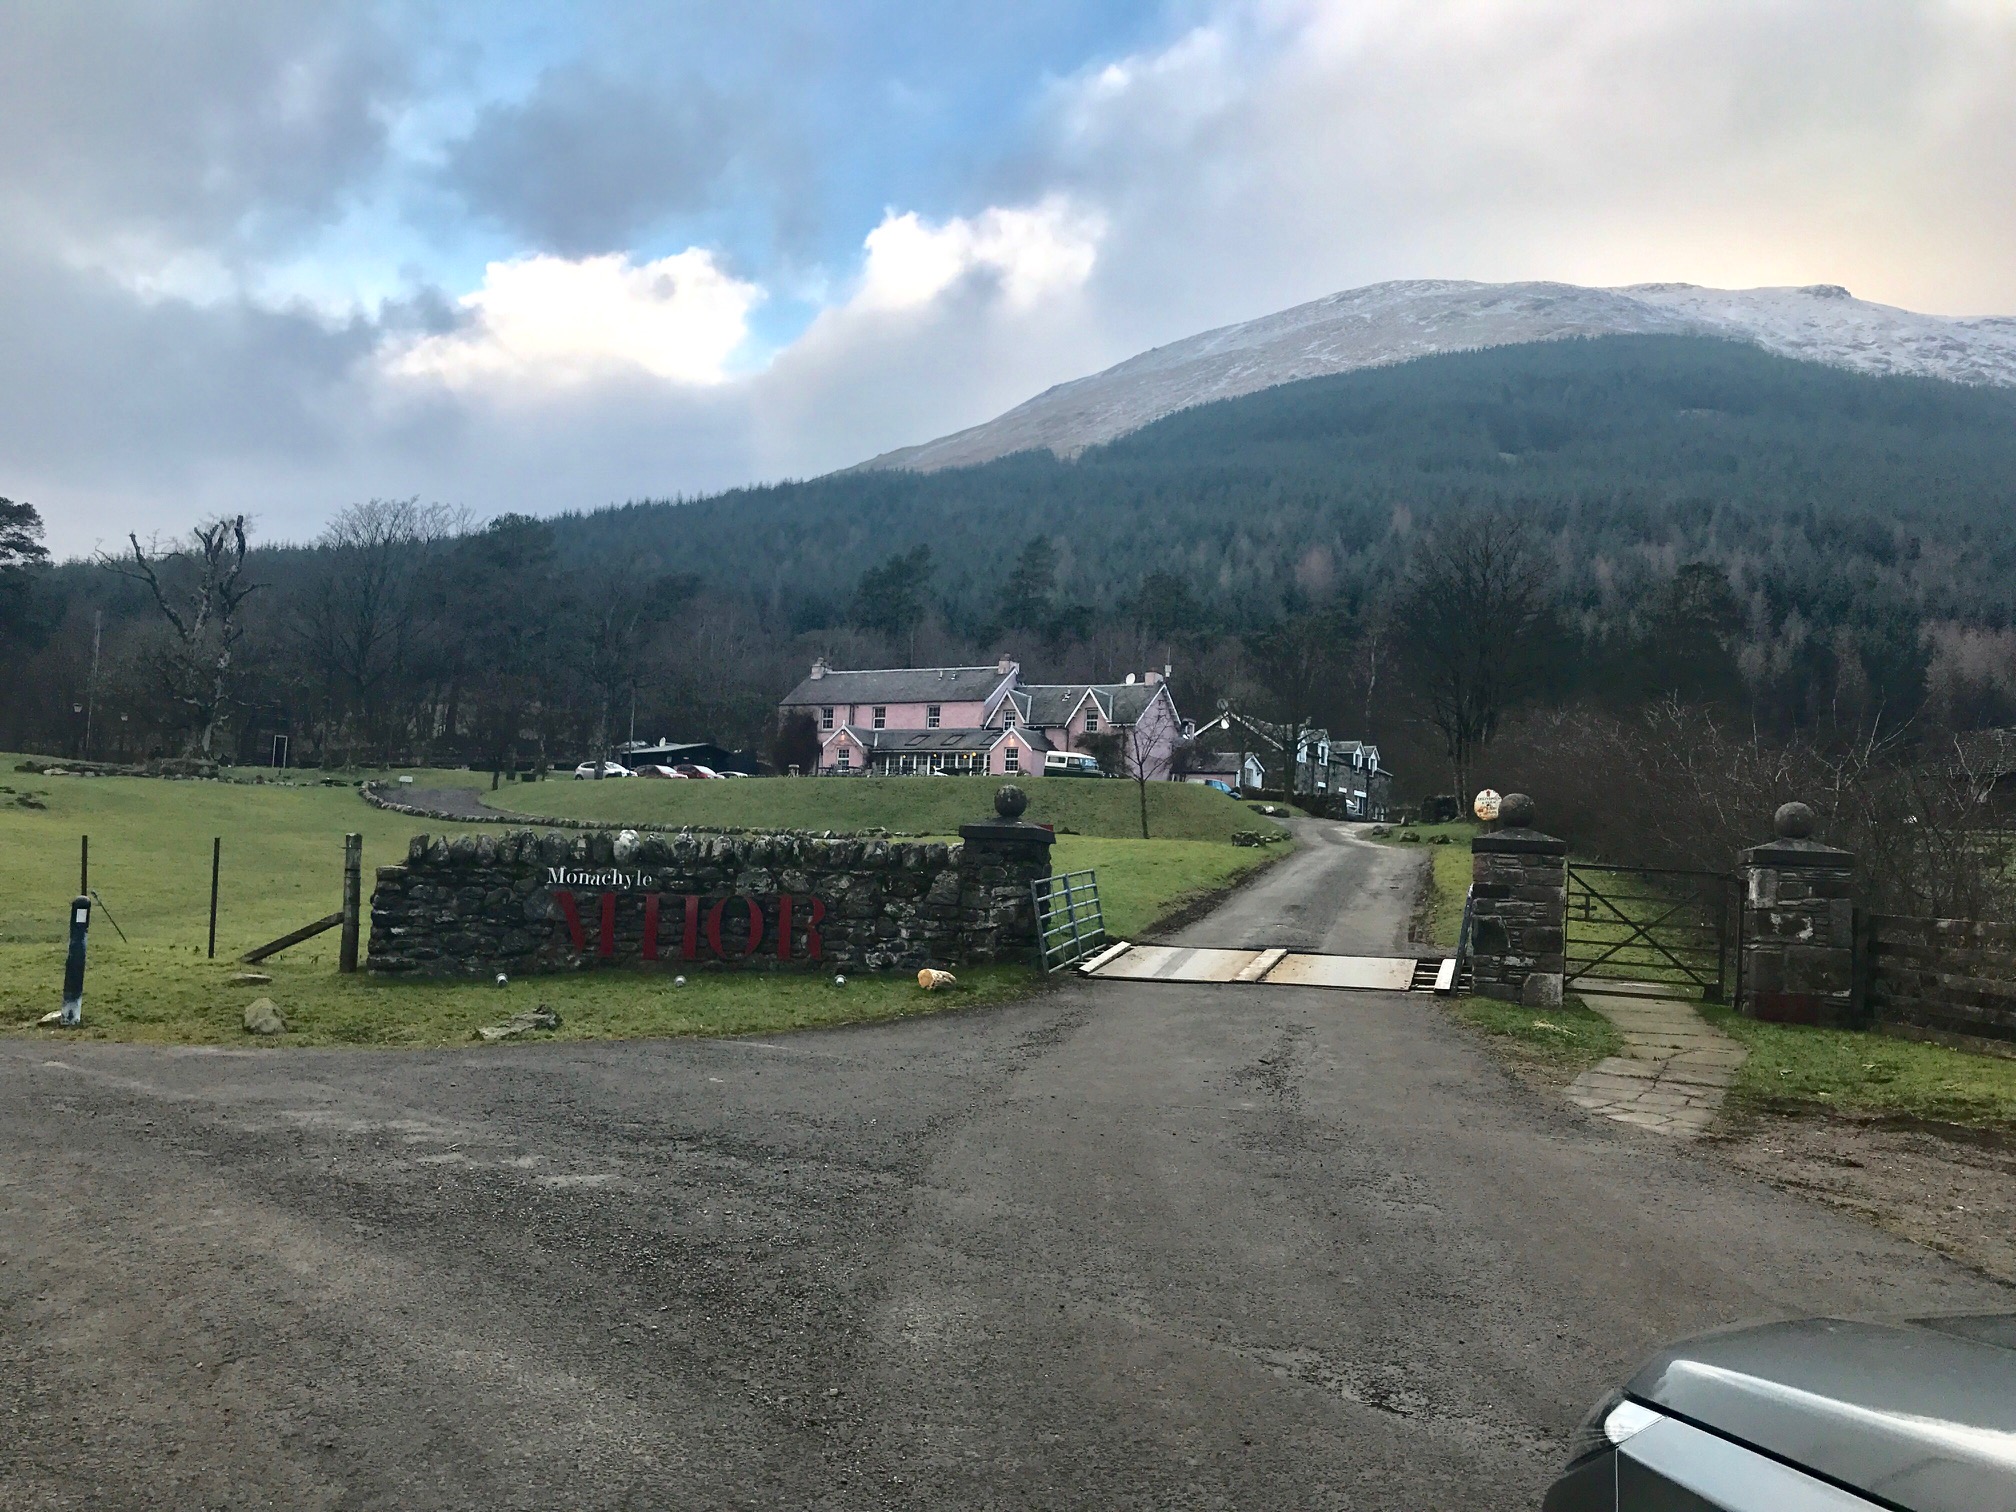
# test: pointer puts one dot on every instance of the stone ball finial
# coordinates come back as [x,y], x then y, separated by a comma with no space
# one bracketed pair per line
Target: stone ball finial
[1010,801]
[1515,811]
[1793,821]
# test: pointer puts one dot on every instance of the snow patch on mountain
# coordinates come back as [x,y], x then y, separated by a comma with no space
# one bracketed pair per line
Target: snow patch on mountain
[1393,322]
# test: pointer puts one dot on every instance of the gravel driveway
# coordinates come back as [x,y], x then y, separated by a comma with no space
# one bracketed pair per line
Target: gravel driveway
[1126,1245]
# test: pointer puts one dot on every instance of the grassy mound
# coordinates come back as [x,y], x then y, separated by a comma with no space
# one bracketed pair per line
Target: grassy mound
[916,805]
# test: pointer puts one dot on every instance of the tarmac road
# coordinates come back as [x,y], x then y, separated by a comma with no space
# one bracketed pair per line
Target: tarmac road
[1127,1245]
[1335,893]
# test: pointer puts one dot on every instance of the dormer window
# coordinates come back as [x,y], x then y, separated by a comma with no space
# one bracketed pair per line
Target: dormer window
[825,719]
[931,716]
[1091,722]
[881,717]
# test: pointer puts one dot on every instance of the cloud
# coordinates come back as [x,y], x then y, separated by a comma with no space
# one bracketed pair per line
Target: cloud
[1030,253]
[218,127]
[546,321]
[1282,150]
[590,159]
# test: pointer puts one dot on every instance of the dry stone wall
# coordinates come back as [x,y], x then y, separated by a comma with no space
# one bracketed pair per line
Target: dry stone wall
[526,902]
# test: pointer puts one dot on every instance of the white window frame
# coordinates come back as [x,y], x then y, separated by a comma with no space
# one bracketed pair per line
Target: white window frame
[1092,722]
[880,716]
[826,719]
[931,715]
[843,759]
[1011,757]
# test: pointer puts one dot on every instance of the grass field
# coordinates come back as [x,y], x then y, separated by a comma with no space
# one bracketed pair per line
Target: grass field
[1142,880]
[1801,1068]
[150,864]
[918,805]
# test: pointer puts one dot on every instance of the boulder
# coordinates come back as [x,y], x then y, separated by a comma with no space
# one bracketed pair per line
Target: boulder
[263,1017]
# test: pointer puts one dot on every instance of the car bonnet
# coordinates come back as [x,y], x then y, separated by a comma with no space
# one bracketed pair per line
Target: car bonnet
[1921,1415]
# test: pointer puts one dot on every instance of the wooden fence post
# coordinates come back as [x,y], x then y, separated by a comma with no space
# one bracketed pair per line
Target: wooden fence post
[353,884]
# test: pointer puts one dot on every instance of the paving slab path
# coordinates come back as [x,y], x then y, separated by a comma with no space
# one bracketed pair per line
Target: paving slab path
[1675,1069]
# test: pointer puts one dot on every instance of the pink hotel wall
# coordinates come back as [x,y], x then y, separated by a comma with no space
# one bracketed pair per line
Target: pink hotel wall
[906,716]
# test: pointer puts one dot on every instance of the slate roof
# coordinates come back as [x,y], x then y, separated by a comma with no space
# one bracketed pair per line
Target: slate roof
[1051,704]
[899,685]
[1046,706]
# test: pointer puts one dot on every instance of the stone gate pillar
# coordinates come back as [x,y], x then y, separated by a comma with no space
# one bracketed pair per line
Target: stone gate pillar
[1518,909]
[1798,927]
[998,861]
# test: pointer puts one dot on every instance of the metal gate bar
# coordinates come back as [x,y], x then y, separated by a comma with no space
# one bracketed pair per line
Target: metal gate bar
[1652,929]
[1069,923]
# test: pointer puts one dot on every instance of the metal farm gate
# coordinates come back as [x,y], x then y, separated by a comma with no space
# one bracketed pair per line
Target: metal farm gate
[1069,922]
[1658,931]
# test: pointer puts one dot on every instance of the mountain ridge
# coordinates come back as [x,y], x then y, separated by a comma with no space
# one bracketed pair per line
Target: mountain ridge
[1386,323]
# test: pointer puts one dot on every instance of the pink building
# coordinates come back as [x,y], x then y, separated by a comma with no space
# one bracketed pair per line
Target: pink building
[899,721]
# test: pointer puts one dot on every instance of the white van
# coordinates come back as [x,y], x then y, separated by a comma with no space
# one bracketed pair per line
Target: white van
[1069,764]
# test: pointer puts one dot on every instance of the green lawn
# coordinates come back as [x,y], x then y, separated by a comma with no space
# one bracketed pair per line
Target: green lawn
[1440,919]
[150,863]
[1141,881]
[915,805]
[1800,1068]
[1562,1040]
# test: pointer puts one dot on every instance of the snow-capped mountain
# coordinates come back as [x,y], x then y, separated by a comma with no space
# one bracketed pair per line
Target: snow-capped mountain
[1392,322]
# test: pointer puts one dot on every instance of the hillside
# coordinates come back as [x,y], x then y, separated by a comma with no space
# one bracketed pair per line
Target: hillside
[1630,449]
[1396,322]
[1852,518]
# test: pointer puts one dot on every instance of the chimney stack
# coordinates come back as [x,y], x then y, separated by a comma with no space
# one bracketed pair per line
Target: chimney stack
[1005,665]
[819,669]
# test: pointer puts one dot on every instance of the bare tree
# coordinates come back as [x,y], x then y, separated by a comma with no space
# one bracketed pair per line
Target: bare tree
[200,603]
[1469,623]
[1297,663]
[617,642]
[1142,761]
[363,612]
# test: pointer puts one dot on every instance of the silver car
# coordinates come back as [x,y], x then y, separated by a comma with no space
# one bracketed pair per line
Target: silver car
[1821,1415]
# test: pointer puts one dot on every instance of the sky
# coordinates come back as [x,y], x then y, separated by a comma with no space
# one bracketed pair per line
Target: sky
[543,256]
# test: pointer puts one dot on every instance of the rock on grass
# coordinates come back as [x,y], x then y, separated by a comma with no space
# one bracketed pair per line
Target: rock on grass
[263,1017]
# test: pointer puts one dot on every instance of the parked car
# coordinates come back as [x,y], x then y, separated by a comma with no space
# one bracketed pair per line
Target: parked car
[1069,764]
[653,769]
[695,770]
[1819,1415]
[1223,787]
[609,769]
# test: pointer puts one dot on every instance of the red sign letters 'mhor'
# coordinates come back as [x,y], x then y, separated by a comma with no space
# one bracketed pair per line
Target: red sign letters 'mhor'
[697,919]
